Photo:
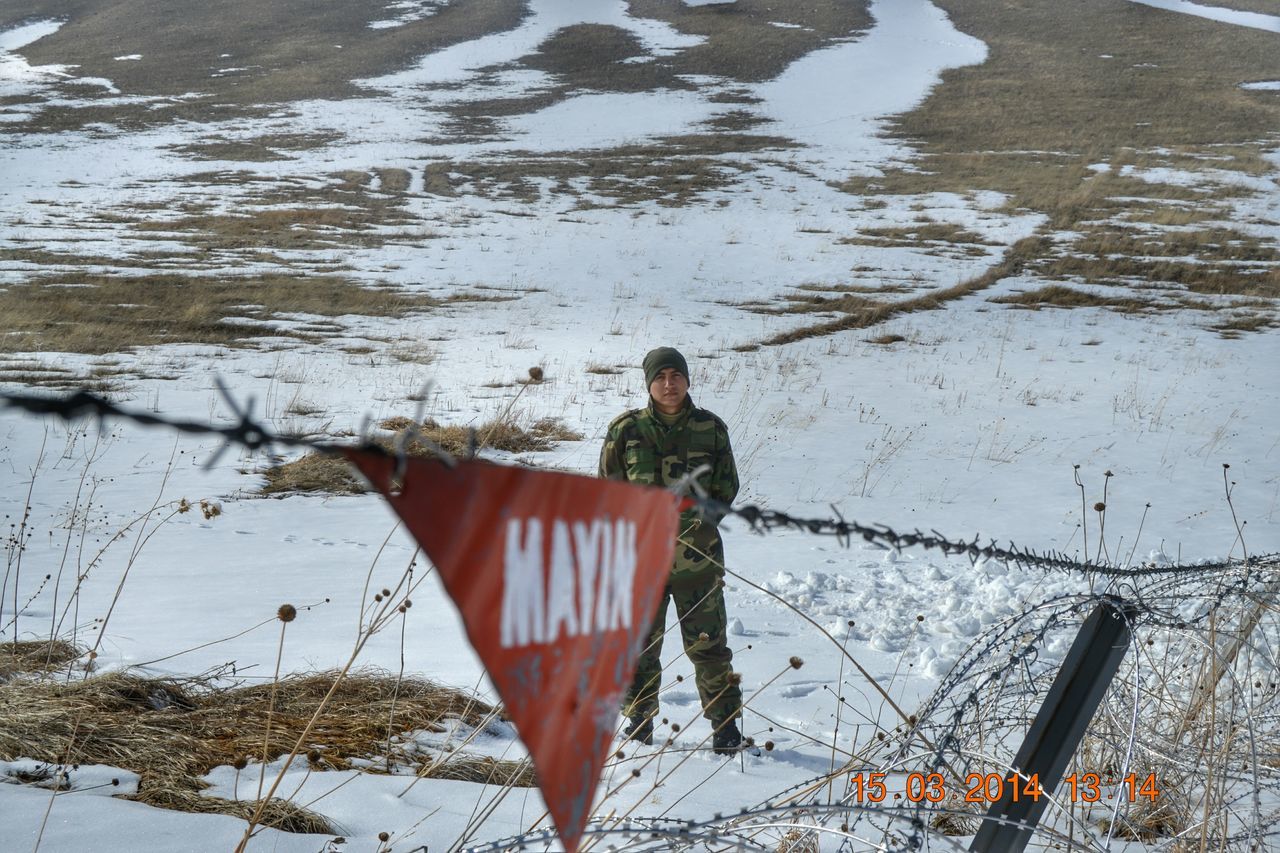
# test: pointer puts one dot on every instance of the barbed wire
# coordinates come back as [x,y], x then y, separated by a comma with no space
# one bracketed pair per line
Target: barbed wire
[253,436]
[986,697]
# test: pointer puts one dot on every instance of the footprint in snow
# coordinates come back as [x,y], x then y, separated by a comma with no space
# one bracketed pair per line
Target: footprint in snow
[796,691]
[680,697]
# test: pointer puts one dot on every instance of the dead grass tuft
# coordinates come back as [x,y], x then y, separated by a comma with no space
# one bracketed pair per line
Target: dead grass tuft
[399,423]
[173,732]
[315,472]
[319,472]
[797,840]
[958,819]
[276,814]
[1232,327]
[918,234]
[22,656]
[1057,296]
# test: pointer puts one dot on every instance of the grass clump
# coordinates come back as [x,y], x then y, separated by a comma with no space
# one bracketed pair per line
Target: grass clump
[25,656]
[173,732]
[329,474]
[1057,296]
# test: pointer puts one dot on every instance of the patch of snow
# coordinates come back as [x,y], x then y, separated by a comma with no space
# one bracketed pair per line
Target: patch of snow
[835,100]
[461,62]
[406,12]
[96,779]
[608,120]
[21,36]
[1262,86]
[101,82]
[1254,20]
[16,74]
[130,57]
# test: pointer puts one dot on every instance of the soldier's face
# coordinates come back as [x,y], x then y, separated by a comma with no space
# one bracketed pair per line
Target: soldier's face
[668,390]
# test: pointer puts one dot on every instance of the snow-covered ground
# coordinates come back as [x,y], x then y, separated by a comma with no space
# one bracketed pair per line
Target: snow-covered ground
[972,423]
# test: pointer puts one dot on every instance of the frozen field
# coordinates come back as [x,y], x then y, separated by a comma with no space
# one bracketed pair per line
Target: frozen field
[547,218]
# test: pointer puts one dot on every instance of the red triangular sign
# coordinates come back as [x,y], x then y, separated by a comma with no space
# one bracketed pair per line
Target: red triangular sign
[557,577]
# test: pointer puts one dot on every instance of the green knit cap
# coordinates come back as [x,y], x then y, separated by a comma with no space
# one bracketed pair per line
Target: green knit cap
[656,360]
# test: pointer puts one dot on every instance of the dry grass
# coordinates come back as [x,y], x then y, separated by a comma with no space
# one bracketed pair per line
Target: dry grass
[860,312]
[595,56]
[673,171]
[739,42]
[88,313]
[740,39]
[1069,86]
[1172,81]
[1057,296]
[258,149]
[1212,261]
[1195,276]
[315,472]
[173,732]
[318,472]
[1234,326]
[25,656]
[284,50]
[920,233]
[329,224]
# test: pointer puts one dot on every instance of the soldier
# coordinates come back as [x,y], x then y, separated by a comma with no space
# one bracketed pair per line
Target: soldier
[657,445]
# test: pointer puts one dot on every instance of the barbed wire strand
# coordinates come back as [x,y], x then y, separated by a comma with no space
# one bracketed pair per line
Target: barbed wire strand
[988,694]
[253,436]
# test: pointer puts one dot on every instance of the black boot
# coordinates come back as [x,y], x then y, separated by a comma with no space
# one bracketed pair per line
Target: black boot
[727,740]
[640,729]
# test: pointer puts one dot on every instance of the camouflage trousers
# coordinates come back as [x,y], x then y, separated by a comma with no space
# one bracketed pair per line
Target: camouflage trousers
[701,611]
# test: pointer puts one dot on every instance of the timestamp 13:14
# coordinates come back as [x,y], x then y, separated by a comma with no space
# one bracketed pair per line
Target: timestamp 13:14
[992,787]
[1088,787]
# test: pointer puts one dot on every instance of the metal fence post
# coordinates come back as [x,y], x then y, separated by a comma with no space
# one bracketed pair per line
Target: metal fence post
[1059,725]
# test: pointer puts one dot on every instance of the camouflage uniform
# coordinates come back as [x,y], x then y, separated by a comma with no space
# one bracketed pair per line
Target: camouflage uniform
[640,448]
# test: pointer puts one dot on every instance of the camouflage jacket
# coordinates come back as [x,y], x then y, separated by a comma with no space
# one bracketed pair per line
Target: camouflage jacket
[640,448]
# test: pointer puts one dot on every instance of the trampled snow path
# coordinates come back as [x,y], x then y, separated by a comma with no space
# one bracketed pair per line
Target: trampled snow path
[971,423]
